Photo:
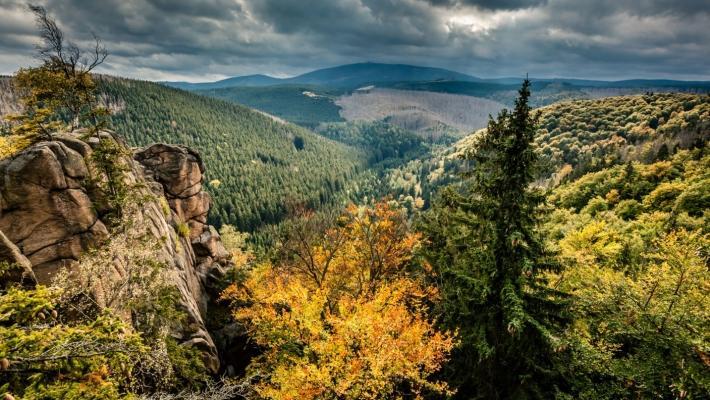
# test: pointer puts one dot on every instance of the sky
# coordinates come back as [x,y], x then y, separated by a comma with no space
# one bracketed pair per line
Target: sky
[205,40]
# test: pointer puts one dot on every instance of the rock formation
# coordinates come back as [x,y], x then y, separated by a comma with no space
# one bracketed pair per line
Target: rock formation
[44,210]
[179,170]
[49,217]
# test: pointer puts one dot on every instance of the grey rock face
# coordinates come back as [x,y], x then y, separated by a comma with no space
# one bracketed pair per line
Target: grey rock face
[180,170]
[44,210]
[48,219]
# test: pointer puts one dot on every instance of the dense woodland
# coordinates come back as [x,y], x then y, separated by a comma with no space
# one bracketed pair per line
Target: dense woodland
[559,253]
[577,137]
[255,164]
[301,104]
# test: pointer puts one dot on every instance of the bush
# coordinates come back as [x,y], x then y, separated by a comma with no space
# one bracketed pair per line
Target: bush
[664,195]
[695,199]
[13,144]
[165,207]
[628,209]
[595,206]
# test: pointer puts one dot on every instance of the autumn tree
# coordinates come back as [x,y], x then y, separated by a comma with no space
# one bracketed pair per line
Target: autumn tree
[637,273]
[60,92]
[642,335]
[490,261]
[342,315]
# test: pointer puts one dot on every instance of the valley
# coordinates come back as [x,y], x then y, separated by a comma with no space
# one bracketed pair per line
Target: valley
[429,114]
[428,101]
[365,231]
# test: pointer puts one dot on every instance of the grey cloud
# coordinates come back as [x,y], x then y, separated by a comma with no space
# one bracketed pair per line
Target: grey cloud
[490,4]
[201,40]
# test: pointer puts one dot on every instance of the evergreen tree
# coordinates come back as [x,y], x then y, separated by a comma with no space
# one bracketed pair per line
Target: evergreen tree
[490,261]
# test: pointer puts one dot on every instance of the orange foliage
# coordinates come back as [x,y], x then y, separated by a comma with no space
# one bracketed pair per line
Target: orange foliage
[343,317]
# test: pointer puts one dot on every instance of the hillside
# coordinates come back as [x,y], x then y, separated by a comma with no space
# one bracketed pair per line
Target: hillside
[546,92]
[429,101]
[301,104]
[414,98]
[254,164]
[582,136]
[429,114]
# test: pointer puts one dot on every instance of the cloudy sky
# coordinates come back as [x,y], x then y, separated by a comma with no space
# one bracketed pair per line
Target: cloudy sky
[199,40]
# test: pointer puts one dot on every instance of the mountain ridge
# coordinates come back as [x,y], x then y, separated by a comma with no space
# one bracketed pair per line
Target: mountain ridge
[354,75]
[347,75]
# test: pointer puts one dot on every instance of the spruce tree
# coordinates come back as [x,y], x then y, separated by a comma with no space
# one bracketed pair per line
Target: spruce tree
[490,260]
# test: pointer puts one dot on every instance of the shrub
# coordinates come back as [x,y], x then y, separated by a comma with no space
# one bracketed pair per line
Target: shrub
[165,207]
[595,206]
[664,195]
[11,145]
[695,199]
[183,229]
[628,209]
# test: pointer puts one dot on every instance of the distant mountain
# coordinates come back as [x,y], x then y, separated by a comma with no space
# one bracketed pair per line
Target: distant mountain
[242,81]
[349,76]
[331,94]
[356,75]
[622,84]
[352,76]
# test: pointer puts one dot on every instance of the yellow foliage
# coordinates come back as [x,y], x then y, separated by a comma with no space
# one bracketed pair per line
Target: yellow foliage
[347,321]
[624,318]
[664,195]
[13,144]
[593,243]
[612,196]
[670,293]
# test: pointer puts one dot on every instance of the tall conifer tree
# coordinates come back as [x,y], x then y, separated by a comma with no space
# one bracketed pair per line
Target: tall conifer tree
[485,245]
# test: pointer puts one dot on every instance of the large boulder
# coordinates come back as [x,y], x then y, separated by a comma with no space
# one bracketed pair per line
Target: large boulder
[44,209]
[179,170]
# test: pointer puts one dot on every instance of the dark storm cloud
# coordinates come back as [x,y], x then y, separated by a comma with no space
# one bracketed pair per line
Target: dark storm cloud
[490,4]
[209,39]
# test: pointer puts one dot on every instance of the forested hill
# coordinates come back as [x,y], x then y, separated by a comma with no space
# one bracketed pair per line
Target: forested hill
[254,164]
[582,136]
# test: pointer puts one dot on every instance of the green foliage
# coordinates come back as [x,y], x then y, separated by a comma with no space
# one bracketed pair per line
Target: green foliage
[639,279]
[490,262]
[187,365]
[252,156]
[109,167]
[380,141]
[51,354]
[44,91]
[576,138]
[694,200]
[639,332]
[595,206]
[663,196]
[628,209]
[183,229]
[303,105]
